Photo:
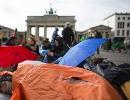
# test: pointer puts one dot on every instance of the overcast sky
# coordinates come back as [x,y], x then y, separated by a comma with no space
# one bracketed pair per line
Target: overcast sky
[13,13]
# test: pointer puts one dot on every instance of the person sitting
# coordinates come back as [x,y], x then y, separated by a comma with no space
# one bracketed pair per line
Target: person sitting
[31,45]
[4,41]
[12,41]
[59,50]
[46,46]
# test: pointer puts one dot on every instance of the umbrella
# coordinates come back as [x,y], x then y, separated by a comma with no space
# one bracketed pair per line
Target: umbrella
[81,51]
[11,55]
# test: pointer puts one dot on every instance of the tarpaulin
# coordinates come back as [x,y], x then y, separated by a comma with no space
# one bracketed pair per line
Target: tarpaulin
[39,81]
[12,55]
[81,51]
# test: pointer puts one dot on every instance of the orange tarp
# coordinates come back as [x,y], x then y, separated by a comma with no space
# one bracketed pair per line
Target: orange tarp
[55,82]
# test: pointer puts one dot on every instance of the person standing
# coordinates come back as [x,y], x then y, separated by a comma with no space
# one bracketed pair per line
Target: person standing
[126,44]
[68,34]
[97,35]
[54,36]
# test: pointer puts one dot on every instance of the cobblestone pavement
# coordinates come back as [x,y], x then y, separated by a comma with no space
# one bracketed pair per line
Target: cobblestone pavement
[116,57]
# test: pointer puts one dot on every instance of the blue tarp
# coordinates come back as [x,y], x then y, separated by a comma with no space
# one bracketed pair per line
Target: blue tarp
[81,51]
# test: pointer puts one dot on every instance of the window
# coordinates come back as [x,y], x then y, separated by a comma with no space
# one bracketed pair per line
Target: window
[128,32]
[118,32]
[118,18]
[128,18]
[118,26]
[123,32]
[123,18]
[128,24]
[121,25]
[0,28]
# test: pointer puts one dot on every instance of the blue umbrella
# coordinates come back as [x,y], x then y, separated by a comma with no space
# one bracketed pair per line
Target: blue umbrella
[81,51]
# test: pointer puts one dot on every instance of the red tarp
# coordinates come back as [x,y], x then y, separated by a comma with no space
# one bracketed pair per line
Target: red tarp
[11,55]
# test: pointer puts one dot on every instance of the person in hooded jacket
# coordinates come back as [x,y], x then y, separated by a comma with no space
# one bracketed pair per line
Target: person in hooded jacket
[59,49]
[31,45]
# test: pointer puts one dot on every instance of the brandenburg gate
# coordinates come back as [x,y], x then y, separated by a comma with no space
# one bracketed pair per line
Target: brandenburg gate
[48,20]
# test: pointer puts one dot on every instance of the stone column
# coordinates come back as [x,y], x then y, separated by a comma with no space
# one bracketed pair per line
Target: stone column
[37,34]
[45,31]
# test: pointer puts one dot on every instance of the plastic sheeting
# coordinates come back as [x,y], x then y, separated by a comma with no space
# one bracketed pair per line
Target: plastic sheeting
[38,81]
[81,51]
[12,55]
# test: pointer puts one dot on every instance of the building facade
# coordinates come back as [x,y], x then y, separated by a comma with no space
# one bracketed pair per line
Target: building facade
[120,24]
[50,19]
[5,31]
[104,30]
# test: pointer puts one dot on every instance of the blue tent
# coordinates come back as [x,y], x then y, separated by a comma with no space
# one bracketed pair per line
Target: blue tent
[81,51]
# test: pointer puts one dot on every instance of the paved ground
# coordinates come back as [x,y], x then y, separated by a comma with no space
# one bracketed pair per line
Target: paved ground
[117,58]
